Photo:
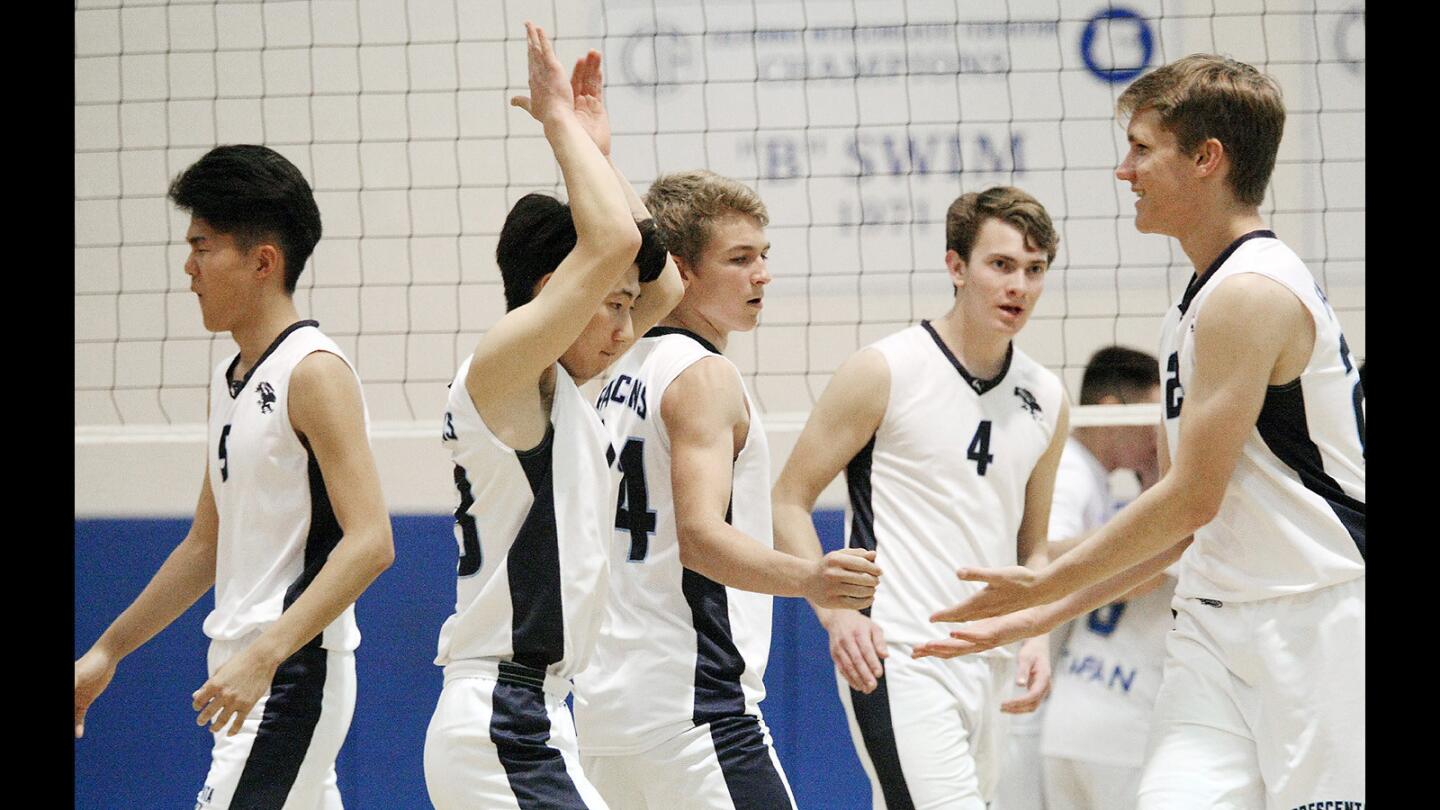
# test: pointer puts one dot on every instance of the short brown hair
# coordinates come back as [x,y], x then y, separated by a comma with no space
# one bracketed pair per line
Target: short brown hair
[1206,96]
[685,204]
[1007,204]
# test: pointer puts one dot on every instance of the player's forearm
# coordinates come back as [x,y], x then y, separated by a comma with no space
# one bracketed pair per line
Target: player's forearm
[730,557]
[632,197]
[356,561]
[657,298]
[184,577]
[1157,520]
[1056,613]
[602,216]
[795,535]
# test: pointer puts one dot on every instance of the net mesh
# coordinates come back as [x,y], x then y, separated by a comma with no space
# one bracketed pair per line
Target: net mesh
[856,121]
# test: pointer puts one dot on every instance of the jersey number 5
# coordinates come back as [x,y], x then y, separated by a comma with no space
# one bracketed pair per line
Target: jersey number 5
[633,512]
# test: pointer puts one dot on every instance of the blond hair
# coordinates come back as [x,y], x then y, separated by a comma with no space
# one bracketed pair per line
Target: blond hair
[686,204]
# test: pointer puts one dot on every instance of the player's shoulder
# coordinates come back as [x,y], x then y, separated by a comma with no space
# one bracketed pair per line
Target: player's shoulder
[1026,370]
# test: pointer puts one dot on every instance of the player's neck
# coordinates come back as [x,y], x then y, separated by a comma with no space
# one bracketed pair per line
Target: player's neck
[256,333]
[1204,244]
[683,317]
[981,351]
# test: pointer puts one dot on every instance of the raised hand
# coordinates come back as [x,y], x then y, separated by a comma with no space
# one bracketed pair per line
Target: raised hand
[549,92]
[844,579]
[587,87]
[1006,590]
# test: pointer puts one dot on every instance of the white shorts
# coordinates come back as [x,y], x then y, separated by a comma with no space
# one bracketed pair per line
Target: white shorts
[1021,786]
[1071,784]
[502,737]
[726,764]
[1263,705]
[284,754]
[931,735]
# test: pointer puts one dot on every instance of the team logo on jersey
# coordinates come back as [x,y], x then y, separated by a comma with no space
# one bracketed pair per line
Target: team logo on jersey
[1027,401]
[267,397]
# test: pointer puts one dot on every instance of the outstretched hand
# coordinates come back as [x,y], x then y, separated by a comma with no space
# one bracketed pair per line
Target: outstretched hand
[587,88]
[1006,590]
[549,91]
[986,634]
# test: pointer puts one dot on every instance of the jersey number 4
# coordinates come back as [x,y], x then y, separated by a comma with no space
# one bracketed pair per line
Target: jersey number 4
[979,449]
[633,512]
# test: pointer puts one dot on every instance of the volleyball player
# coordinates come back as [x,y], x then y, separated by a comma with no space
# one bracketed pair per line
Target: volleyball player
[534,469]
[1108,672]
[949,437]
[290,527]
[668,712]
[1263,697]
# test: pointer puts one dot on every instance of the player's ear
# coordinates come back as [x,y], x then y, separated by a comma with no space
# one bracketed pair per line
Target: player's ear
[268,260]
[687,272]
[956,266]
[1208,157]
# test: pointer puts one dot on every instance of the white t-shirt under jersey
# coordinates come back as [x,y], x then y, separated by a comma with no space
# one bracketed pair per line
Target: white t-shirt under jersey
[941,485]
[1109,670]
[276,524]
[676,649]
[533,529]
[1293,517]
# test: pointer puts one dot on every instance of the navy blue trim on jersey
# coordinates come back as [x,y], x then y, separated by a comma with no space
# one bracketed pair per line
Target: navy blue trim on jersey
[862,514]
[718,663]
[751,777]
[872,715]
[1196,282]
[1283,426]
[286,728]
[520,729]
[237,387]
[657,331]
[980,386]
[324,535]
[538,611]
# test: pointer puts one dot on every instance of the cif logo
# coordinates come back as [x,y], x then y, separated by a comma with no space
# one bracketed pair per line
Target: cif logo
[1117,45]
[1350,40]
[655,58]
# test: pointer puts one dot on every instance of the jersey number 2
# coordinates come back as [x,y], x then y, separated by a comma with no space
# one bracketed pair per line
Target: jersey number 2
[633,512]
[470,557]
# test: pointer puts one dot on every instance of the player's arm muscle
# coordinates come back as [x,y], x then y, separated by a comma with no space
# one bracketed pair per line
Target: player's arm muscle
[703,408]
[187,573]
[1247,324]
[1031,547]
[326,408]
[525,342]
[840,425]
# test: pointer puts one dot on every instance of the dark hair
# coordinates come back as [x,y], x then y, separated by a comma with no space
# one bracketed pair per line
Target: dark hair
[1119,372]
[969,212]
[539,232]
[253,193]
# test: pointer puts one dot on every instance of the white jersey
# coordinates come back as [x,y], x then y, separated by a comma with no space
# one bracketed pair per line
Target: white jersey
[276,524]
[941,484]
[533,527]
[1293,518]
[1110,667]
[677,649]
